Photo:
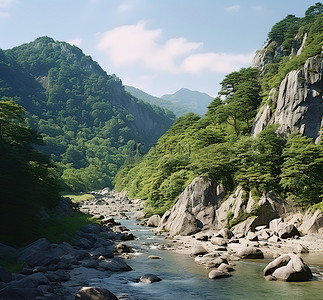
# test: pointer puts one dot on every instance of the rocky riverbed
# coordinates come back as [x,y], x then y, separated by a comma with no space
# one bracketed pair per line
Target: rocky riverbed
[60,271]
[63,271]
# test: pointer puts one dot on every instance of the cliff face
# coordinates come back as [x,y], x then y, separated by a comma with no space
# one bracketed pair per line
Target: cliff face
[299,102]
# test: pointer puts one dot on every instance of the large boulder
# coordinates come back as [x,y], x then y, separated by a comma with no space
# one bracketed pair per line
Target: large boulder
[288,232]
[312,222]
[153,221]
[95,293]
[41,253]
[288,267]
[195,207]
[250,252]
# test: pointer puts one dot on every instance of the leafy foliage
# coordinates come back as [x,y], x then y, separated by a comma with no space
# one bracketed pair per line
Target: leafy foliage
[27,177]
[89,122]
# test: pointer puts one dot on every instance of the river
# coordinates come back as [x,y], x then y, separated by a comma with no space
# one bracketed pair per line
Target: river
[182,279]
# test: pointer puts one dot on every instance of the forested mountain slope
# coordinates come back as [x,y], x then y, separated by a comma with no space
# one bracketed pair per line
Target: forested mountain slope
[279,101]
[90,124]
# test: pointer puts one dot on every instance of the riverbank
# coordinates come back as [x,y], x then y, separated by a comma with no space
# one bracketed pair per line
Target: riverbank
[103,255]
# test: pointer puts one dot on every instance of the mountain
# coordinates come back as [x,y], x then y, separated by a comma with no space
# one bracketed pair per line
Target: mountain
[178,110]
[90,124]
[262,133]
[195,101]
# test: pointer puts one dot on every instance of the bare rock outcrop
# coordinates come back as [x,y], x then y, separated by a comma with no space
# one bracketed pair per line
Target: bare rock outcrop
[312,222]
[299,102]
[195,208]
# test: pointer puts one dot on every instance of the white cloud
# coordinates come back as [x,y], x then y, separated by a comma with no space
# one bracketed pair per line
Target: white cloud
[233,8]
[134,44]
[4,14]
[257,7]
[76,42]
[123,8]
[5,3]
[216,62]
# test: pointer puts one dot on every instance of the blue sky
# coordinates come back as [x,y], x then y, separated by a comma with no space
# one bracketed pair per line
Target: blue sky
[158,46]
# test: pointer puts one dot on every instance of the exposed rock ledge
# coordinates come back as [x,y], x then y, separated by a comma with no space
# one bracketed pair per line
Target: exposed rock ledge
[299,102]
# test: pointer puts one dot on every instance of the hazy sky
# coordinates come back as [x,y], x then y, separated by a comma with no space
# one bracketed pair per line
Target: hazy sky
[158,46]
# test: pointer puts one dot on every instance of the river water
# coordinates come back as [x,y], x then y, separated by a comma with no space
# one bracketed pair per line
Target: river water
[182,279]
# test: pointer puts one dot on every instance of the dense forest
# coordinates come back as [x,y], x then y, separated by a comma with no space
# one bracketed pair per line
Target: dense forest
[220,146]
[27,177]
[89,124]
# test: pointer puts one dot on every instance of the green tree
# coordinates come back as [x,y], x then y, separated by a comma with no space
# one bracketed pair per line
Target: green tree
[302,169]
[27,177]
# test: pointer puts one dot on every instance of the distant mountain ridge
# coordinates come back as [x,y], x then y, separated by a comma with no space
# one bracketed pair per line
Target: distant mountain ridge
[178,110]
[197,102]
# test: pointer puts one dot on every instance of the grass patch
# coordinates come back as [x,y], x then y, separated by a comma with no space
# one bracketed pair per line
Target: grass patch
[317,206]
[10,263]
[63,230]
[79,198]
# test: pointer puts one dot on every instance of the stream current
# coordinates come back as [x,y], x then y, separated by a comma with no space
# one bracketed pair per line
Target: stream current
[182,279]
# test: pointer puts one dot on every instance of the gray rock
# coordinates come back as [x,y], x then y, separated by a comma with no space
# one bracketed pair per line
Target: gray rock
[274,239]
[251,236]
[276,225]
[210,260]
[250,252]
[115,265]
[288,267]
[22,293]
[125,236]
[5,275]
[92,228]
[123,248]
[300,248]
[225,233]
[280,261]
[90,263]
[107,252]
[82,243]
[288,232]
[215,274]
[40,253]
[29,281]
[149,278]
[95,293]
[63,208]
[57,276]
[198,250]
[312,223]
[225,268]
[154,221]
[195,208]
[218,241]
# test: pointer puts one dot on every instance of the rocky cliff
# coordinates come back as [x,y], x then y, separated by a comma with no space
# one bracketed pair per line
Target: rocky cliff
[299,102]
